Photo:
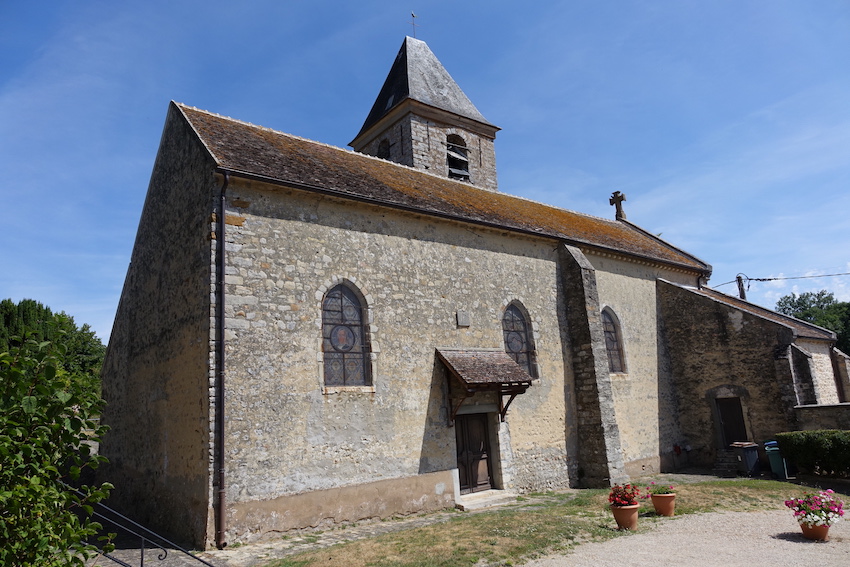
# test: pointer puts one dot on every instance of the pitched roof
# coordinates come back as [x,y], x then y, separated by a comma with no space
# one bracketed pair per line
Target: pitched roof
[483,367]
[275,157]
[802,328]
[417,74]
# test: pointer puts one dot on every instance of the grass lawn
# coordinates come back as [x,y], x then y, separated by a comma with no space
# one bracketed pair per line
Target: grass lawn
[549,523]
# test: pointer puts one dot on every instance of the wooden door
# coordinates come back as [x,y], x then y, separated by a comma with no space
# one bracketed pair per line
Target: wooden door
[732,423]
[473,452]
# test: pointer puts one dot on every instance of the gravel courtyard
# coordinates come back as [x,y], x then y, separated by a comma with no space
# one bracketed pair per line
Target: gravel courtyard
[717,539]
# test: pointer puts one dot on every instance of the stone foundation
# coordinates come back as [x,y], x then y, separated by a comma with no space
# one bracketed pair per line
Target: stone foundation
[250,521]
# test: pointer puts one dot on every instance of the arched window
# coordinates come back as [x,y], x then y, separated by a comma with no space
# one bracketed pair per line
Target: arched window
[345,339]
[457,157]
[519,343]
[613,343]
[384,149]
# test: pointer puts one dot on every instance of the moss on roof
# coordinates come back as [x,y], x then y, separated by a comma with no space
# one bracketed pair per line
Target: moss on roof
[255,151]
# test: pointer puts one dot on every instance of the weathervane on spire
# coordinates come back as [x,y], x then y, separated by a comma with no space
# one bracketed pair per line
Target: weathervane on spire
[617,199]
[413,23]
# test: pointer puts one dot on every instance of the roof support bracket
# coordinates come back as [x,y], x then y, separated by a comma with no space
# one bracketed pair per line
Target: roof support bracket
[456,407]
[503,407]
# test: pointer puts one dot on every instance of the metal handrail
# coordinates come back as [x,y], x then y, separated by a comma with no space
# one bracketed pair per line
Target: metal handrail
[145,535]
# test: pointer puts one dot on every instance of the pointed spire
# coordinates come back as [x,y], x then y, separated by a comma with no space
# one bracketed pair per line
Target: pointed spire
[417,74]
[422,119]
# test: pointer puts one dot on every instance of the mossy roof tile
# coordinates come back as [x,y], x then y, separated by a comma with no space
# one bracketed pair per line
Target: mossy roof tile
[285,159]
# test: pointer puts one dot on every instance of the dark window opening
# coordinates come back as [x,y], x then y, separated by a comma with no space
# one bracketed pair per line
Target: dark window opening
[384,149]
[457,156]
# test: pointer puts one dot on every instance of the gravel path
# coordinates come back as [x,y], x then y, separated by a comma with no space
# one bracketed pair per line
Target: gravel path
[717,539]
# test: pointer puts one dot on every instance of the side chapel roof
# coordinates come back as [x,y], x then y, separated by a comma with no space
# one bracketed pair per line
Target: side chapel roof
[267,155]
[417,74]
[801,328]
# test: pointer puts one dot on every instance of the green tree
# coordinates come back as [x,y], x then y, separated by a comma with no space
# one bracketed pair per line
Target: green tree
[47,427]
[822,309]
[83,351]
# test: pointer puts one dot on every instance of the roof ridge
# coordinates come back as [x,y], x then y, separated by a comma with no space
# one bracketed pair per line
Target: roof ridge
[270,154]
[757,309]
[663,241]
[347,151]
[259,127]
[402,165]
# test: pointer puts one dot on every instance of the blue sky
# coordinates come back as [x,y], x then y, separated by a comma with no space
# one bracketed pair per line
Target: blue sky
[726,123]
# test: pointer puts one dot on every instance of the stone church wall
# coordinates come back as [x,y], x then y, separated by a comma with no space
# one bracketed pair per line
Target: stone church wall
[841,365]
[399,138]
[429,144]
[596,458]
[648,428]
[823,378]
[286,435]
[835,416]
[717,351]
[155,376]
[419,142]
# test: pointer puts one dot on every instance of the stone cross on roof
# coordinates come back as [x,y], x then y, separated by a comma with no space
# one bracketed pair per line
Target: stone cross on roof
[617,199]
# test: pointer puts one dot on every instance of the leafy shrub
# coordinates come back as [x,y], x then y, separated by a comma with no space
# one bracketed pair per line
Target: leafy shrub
[82,353]
[824,451]
[47,423]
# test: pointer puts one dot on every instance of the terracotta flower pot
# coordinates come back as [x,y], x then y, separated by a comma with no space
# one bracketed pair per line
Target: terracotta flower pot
[818,533]
[626,516]
[664,504]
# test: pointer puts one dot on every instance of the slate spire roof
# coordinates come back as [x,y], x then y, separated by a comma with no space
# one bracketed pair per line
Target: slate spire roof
[417,74]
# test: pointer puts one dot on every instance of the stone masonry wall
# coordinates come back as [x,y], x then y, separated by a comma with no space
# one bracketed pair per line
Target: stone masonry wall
[155,376]
[285,434]
[399,137]
[718,351]
[599,460]
[823,379]
[841,368]
[835,416]
[648,423]
[421,143]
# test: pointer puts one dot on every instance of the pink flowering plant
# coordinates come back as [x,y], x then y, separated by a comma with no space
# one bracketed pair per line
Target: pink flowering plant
[821,509]
[654,489]
[624,495]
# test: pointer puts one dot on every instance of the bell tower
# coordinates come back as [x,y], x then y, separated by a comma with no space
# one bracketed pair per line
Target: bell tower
[421,118]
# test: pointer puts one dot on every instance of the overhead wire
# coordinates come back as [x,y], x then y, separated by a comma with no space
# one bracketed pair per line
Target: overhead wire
[749,279]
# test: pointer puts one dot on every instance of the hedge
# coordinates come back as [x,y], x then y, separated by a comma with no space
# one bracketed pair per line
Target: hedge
[823,451]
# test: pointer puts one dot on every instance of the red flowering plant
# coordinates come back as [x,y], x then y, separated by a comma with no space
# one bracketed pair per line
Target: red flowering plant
[821,509]
[624,495]
[654,489]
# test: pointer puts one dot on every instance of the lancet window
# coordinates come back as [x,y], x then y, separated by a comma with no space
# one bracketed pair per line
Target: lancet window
[345,338]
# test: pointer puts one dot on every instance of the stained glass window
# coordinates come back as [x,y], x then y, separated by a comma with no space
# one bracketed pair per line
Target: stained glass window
[345,341]
[613,344]
[518,341]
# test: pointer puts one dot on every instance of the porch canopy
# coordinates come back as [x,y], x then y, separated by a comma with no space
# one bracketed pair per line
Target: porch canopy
[490,370]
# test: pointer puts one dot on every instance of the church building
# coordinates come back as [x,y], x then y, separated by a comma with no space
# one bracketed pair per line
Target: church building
[309,336]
